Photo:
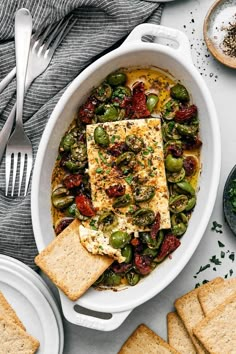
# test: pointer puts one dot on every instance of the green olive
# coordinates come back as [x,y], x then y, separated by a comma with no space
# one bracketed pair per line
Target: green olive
[120,92]
[107,113]
[116,79]
[191,204]
[108,220]
[122,201]
[175,177]
[152,101]
[112,279]
[103,92]
[143,193]
[127,252]
[119,239]
[67,141]
[185,186]
[125,159]
[150,252]
[187,130]
[143,217]
[169,110]
[153,243]
[134,143]
[180,93]
[61,198]
[132,278]
[173,164]
[170,131]
[179,223]
[79,152]
[101,137]
[178,203]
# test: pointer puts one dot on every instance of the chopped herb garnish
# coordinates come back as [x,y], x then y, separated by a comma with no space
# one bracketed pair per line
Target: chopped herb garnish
[221,244]
[129,179]
[150,149]
[231,256]
[197,285]
[93,225]
[226,276]
[99,170]
[108,171]
[222,254]
[205,281]
[231,272]
[103,159]
[202,268]
[101,248]
[215,260]
[216,226]
[114,137]
[232,195]
[214,269]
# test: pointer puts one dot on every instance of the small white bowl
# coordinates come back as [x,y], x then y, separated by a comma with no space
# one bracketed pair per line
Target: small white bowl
[133,52]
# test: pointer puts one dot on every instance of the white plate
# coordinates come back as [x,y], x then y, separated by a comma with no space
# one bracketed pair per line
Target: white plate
[32,308]
[42,286]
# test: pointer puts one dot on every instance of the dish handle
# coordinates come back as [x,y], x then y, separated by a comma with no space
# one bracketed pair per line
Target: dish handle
[164,32]
[92,319]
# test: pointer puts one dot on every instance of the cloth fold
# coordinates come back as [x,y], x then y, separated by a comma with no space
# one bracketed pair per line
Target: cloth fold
[101,26]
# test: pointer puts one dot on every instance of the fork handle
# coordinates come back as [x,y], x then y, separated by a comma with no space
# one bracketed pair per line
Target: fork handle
[23,31]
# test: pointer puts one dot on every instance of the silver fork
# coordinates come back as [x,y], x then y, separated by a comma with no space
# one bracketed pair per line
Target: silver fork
[42,47]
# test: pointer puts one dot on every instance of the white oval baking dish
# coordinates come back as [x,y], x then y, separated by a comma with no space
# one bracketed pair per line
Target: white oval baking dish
[133,52]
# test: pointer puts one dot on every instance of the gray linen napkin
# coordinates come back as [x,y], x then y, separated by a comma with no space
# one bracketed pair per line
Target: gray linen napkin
[101,25]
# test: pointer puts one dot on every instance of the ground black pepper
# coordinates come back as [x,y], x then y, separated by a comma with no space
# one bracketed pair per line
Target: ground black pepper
[229,42]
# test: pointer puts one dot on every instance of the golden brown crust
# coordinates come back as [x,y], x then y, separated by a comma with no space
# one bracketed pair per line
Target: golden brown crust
[69,265]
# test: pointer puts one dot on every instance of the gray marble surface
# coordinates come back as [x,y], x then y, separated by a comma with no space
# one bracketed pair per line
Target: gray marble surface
[188,16]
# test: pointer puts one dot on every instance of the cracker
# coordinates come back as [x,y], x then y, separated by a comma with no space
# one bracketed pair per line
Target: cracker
[190,311]
[69,265]
[212,296]
[143,340]
[178,336]
[7,312]
[14,340]
[217,331]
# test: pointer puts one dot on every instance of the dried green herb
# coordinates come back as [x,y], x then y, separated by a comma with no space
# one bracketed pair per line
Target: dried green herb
[221,244]
[202,268]
[215,260]
[231,256]
[216,226]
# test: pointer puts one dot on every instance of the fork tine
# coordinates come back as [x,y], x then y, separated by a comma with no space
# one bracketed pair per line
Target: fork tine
[7,171]
[58,34]
[28,172]
[15,159]
[43,34]
[22,164]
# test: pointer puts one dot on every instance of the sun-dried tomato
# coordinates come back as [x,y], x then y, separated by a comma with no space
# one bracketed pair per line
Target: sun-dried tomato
[62,225]
[138,108]
[84,204]
[135,242]
[192,143]
[185,114]
[156,225]
[143,264]
[117,149]
[120,267]
[169,244]
[116,190]
[190,165]
[175,150]
[86,112]
[73,180]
